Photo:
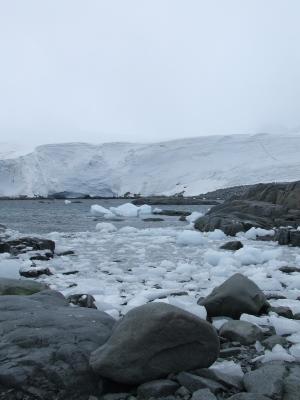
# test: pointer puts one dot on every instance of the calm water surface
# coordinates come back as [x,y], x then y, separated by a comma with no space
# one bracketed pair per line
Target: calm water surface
[35,216]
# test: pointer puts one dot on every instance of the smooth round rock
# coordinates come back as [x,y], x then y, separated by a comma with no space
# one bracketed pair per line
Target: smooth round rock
[153,341]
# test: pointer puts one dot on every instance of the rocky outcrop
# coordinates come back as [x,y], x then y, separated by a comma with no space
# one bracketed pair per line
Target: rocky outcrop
[23,244]
[264,206]
[236,296]
[153,341]
[45,347]
[241,215]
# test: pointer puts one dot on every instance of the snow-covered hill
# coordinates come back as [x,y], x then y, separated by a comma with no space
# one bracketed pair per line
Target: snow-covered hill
[195,165]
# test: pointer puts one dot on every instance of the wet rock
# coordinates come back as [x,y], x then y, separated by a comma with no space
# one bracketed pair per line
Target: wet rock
[65,253]
[70,272]
[203,394]
[236,296]
[288,236]
[267,380]
[45,346]
[166,340]
[233,245]
[34,272]
[23,244]
[194,382]
[289,270]
[20,287]
[156,389]
[285,312]
[241,331]
[173,213]
[230,352]
[248,396]
[39,257]
[273,340]
[82,300]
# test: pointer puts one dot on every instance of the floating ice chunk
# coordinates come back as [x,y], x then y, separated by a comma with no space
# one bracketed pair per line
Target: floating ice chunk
[125,210]
[105,227]
[128,229]
[194,216]
[191,238]
[229,368]
[157,210]
[263,320]
[284,326]
[294,338]
[295,351]
[278,353]
[218,322]
[253,255]
[9,269]
[217,234]
[145,209]
[98,210]
[253,233]
[68,202]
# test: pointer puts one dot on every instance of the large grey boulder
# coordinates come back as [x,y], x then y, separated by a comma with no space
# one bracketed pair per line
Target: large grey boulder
[237,295]
[154,340]
[20,286]
[267,380]
[241,331]
[45,347]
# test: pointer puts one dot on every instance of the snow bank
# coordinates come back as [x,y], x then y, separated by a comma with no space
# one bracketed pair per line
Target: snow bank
[68,202]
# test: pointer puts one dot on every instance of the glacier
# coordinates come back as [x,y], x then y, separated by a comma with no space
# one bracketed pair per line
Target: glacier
[193,166]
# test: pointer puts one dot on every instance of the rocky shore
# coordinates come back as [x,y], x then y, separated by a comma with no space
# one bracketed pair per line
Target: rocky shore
[234,343]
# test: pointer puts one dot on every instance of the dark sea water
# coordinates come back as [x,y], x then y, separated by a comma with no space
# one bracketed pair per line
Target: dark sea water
[39,217]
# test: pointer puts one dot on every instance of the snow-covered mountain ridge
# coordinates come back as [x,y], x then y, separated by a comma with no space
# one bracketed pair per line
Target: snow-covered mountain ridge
[195,165]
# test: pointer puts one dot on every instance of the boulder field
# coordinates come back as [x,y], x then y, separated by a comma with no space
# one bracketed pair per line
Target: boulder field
[52,350]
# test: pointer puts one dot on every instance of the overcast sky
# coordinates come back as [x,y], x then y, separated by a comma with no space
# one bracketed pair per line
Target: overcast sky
[147,70]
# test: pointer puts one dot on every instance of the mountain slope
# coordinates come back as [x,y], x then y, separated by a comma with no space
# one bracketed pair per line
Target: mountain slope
[195,165]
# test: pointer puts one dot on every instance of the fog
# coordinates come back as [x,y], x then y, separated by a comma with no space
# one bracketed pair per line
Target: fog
[137,70]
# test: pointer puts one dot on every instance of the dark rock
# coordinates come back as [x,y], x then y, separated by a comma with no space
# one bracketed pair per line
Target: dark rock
[237,295]
[194,382]
[229,352]
[65,253]
[115,396]
[172,200]
[241,215]
[267,380]
[273,340]
[288,236]
[220,377]
[292,383]
[156,389]
[297,316]
[20,287]
[70,272]
[241,331]
[289,270]
[82,300]
[45,346]
[248,396]
[39,257]
[282,311]
[173,213]
[34,272]
[153,341]
[203,394]
[234,245]
[20,245]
